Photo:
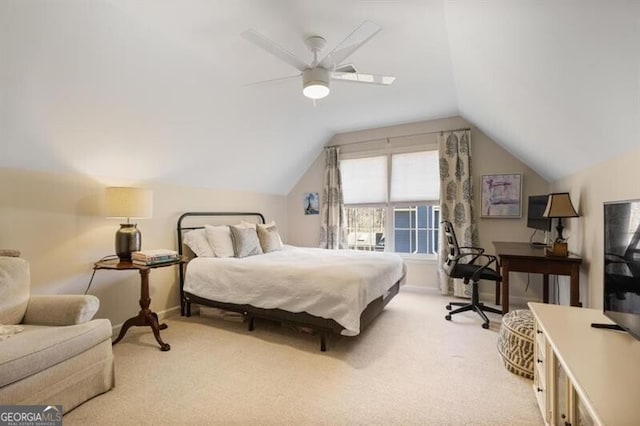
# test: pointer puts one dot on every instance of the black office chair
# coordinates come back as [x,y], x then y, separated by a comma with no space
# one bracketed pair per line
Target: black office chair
[456,267]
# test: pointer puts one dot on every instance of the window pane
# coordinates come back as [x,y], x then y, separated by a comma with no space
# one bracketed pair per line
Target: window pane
[402,241]
[415,176]
[423,216]
[364,180]
[365,228]
[416,229]
[402,218]
[423,242]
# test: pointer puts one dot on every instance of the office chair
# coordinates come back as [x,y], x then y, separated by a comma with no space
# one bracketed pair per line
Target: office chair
[456,267]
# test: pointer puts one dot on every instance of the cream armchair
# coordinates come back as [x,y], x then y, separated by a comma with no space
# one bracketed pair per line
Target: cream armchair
[51,351]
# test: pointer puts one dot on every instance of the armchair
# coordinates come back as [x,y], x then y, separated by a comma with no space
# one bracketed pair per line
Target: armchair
[51,351]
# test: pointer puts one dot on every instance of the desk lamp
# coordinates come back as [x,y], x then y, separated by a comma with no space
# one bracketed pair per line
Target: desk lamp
[129,203]
[559,206]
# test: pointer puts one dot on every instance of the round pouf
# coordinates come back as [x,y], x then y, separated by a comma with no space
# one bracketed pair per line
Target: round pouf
[515,343]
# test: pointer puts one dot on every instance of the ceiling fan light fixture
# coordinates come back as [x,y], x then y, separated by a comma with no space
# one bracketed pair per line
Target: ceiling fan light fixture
[315,83]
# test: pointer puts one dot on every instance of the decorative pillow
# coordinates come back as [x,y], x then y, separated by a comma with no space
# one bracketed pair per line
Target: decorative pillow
[269,238]
[14,289]
[219,238]
[245,224]
[245,241]
[197,241]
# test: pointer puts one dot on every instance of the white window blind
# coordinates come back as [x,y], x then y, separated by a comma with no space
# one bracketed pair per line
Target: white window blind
[364,180]
[415,176]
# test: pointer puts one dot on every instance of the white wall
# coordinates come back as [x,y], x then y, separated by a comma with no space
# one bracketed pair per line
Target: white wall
[56,220]
[617,179]
[488,158]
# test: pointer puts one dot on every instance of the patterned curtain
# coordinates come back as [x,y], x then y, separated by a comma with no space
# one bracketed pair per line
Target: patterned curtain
[333,232]
[456,196]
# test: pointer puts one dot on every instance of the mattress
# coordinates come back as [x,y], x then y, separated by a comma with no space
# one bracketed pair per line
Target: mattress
[332,284]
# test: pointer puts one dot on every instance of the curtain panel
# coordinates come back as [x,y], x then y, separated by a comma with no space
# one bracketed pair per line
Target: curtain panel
[456,196]
[333,232]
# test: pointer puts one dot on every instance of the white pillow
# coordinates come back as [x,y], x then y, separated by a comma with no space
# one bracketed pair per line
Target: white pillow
[245,241]
[197,241]
[245,224]
[219,238]
[269,238]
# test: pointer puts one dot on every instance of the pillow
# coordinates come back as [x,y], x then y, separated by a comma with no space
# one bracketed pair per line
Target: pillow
[197,241]
[269,224]
[245,224]
[269,238]
[245,241]
[219,238]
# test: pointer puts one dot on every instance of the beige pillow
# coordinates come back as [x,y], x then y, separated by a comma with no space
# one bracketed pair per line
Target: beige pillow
[197,241]
[14,289]
[219,238]
[245,241]
[245,224]
[269,238]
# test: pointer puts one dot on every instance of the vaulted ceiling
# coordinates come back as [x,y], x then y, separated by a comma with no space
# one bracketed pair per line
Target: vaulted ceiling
[161,90]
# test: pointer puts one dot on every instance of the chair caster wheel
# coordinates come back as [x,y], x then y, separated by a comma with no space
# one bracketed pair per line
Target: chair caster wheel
[448,317]
[485,325]
[448,307]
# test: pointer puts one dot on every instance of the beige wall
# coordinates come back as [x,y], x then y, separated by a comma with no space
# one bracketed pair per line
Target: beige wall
[56,221]
[488,158]
[613,180]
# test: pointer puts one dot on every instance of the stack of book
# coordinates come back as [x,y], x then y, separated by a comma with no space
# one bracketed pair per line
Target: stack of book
[154,257]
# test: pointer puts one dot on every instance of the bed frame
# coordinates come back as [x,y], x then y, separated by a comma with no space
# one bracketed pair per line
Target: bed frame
[323,326]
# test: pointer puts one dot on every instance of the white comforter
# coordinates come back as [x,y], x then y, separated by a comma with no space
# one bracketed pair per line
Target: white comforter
[333,284]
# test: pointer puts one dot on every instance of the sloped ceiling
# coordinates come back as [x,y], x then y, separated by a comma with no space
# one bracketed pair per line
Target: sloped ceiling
[557,83]
[159,90]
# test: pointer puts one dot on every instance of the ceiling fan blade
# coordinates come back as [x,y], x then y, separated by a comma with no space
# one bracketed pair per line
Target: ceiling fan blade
[353,42]
[385,80]
[273,80]
[275,49]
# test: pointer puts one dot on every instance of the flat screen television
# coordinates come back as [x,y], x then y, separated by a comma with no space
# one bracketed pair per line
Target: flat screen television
[535,209]
[622,264]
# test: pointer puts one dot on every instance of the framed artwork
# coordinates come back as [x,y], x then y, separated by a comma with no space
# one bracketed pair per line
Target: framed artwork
[311,203]
[501,196]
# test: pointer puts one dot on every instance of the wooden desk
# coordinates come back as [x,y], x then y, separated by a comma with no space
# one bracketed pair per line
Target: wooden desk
[146,317]
[524,257]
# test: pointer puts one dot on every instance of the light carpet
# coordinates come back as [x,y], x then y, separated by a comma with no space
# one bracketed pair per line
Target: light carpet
[410,366]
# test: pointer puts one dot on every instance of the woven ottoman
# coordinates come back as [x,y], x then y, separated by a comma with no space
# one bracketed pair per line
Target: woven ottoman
[515,343]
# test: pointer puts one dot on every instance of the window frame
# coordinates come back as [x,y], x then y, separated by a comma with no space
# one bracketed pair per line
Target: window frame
[390,206]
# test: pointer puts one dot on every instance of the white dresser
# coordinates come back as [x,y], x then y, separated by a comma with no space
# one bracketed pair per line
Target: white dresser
[584,375]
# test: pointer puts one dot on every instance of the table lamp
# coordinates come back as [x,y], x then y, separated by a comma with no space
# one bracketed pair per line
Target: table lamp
[559,206]
[129,203]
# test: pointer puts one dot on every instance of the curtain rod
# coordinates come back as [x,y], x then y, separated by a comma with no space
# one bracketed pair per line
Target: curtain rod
[401,136]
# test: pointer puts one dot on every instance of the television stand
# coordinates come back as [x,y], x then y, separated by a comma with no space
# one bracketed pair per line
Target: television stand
[583,376]
[607,326]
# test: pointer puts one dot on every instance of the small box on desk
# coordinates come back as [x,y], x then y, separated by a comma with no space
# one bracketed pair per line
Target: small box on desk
[557,249]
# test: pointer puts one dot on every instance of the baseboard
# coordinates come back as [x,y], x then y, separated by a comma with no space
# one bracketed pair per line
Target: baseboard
[515,302]
[419,289]
[175,310]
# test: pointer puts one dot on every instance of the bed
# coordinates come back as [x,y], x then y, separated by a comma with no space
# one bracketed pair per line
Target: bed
[327,291]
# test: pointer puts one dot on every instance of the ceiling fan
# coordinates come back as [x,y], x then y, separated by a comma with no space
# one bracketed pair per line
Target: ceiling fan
[317,74]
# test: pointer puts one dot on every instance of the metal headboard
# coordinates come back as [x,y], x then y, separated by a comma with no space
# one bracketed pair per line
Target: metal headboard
[182,229]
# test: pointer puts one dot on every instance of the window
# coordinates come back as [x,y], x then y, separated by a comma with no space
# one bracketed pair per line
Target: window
[416,229]
[392,202]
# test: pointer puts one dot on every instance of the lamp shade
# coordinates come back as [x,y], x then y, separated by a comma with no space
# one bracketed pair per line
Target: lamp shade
[559,205]
[315,83]
[125,202]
